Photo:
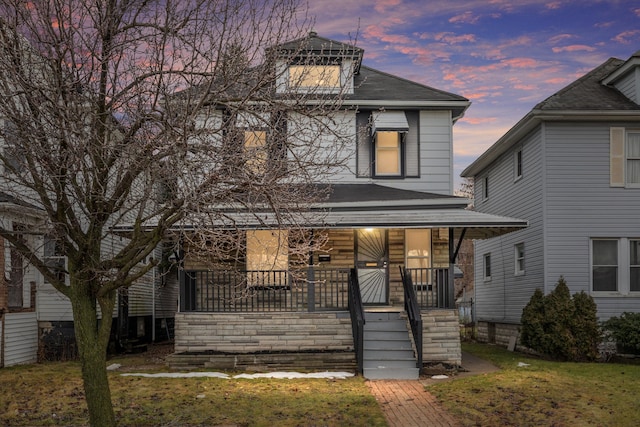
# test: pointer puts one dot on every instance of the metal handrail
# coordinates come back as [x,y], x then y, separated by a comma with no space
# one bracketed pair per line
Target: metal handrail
[413,312]
[356,309]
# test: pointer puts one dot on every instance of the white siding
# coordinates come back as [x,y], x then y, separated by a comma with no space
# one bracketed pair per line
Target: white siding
[503,297]
[21,338]
[51,305]
[581,205]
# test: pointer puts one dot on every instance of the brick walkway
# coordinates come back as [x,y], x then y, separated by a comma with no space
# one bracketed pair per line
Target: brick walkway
[408,404]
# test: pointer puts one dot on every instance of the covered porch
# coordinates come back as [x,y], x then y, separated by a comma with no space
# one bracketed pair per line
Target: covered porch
[389,251]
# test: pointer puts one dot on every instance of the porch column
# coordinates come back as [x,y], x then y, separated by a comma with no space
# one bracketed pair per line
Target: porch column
[449,301]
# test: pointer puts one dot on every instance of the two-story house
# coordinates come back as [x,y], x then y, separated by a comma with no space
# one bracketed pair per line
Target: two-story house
[390,228]
[571,167]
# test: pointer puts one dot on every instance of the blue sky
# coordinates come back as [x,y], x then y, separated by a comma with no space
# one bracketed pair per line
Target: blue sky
[505,56]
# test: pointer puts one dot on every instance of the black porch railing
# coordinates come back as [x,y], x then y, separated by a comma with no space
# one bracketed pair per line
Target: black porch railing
[431,286]
[356,310]
[255,291]
[413,312]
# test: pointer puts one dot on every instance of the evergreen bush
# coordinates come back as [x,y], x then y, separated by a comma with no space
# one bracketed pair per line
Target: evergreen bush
[561,326]
[625,330]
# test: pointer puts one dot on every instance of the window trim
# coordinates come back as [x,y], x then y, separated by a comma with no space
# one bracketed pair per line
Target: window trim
[400,157]
[632,292]
[486,267]
[519,258]
[628,158]
[517,165]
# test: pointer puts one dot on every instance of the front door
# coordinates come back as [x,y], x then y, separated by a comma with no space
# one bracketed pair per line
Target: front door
[372,262]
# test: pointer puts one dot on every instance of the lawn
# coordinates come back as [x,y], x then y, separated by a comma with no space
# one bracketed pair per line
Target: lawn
[543,393]
[52,394]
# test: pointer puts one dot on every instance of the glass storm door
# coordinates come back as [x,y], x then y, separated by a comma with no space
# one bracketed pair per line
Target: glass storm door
[372,261]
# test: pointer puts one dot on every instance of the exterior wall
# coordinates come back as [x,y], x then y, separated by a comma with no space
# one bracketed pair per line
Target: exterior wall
[20,338]
[580,205]
[441,337]
[258,332]
[503,296]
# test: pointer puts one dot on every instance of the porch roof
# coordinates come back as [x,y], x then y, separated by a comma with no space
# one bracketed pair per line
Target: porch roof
[367,206]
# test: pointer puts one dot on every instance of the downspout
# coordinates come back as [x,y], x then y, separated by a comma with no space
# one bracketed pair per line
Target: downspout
[153,306]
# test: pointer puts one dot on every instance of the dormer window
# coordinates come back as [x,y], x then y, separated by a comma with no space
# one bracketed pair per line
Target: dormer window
[314,76]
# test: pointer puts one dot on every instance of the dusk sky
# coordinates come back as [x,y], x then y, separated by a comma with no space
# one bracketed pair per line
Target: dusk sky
[505,56]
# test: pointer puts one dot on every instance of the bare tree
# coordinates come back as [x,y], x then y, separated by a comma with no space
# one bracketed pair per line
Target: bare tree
[106,101]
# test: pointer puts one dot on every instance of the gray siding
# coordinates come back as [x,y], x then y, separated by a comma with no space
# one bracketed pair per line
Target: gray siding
[629,85]
[503,297]
[20,338]
[582,205]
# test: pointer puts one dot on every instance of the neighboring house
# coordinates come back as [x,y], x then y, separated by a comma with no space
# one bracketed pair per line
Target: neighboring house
[571,167]
[18,320]
[390,206]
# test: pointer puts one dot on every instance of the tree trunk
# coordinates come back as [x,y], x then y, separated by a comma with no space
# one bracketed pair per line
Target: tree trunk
[92,349]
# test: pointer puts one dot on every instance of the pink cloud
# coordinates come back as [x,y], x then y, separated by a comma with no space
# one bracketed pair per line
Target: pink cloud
[383,5]
[637,11]
[626,37]
[561,37]
[479,120]
[465,18]
[573,48]
[553,5]
[451,38]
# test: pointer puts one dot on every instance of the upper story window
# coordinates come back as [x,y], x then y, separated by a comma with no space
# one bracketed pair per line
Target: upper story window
[485,188]
[633,158]
[388,144]
[314,76]
[255,150]
[517,164]
[624,157]
[388,160]
[13,152]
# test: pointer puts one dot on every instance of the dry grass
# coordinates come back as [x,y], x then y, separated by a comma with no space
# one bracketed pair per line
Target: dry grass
[52,394]
[543,393]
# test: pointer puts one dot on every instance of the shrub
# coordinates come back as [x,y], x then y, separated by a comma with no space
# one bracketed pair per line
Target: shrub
[625,330]
[561,326]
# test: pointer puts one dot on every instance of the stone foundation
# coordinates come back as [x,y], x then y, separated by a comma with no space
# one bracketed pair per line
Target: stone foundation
[441,338]
[497,333]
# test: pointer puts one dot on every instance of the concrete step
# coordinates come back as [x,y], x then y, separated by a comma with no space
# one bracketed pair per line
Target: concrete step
[386,336]
[388,353]
[386,325]
[391,373]
[389,363]
[382,315]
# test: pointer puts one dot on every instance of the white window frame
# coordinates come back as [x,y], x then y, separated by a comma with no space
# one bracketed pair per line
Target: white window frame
[517,165]
[485,188]
[519,256]
[628,158]
[486,266]
[623,266]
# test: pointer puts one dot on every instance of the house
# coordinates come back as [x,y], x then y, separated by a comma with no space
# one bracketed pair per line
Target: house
[18,317]
[571,167]
[376,296]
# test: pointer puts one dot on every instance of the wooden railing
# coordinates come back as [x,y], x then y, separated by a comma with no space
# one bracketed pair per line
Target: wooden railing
[413,313]
[356,309]
[431,286]
[254,291]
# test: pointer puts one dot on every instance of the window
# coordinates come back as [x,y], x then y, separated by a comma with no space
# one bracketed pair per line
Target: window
[267,257]
[418,248]
[624,157]
[13,151]
[633,158]
[388,154]
[519,257]
[314,76]
[54,258]
[604,265]
[255,150]
[16,279]
[485,187]
[486,265]
[518,164]
[634,265]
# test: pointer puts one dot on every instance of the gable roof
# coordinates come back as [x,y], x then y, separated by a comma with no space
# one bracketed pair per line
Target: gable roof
[584,99]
